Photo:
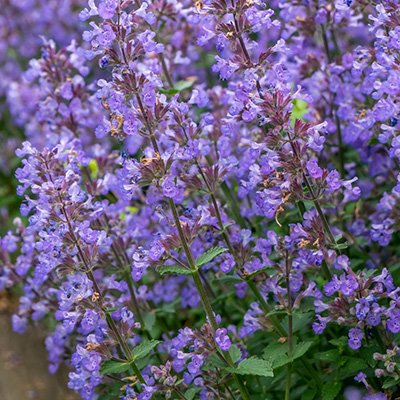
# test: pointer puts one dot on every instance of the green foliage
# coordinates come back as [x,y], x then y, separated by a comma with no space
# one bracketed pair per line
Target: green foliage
[113,367]
[253,366]
[331,390]
[209,255]
[277,353]
[178,87]
[299,109]
[174,269]
[144,348]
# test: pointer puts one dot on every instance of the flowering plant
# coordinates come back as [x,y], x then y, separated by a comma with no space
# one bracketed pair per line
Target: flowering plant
[210,200]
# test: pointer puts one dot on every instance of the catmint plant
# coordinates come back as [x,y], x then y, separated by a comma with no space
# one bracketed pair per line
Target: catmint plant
[209,198]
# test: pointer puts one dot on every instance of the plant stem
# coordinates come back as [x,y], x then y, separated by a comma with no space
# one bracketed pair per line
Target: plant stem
[288,376]
[165,70]
[230,199]
[125,347]
[290,318]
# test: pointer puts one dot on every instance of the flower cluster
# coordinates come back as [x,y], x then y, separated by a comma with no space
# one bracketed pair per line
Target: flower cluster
[211,199]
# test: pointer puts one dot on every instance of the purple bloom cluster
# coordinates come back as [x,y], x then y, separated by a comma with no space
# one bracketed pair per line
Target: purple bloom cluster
[209,190]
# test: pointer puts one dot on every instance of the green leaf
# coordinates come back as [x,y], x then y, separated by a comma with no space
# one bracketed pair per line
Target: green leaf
[113,367]
[235,353]
[92,167]
[178,87]
[215,362]
[389,383]
[144,348]
[300,349]
[355,364]
[209,255]
[369,273]
[309,394]
[339,342]
[276,354]
[265,269]
[221,231]
[228,279]
[373,141]
[342,246]
[253,366]
[368,355]
[190,393]
[148,320]
[299,109]
[173,269]
[300,320]
[182,85]
[331,390]
[328,356]
[112,391]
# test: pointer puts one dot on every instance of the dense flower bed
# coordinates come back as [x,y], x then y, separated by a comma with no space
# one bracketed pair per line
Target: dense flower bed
[210,196]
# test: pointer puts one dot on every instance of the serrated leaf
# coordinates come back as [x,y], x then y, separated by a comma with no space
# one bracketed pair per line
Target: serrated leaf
[339,342]
[300,320]
[328,356]
[174,269]
[355,364]
[330,390]
[144,348]
[215,362]
[389,383]
[276,354]
[253,366]
[228,279]
[209,255]
[113,367]
[300,349]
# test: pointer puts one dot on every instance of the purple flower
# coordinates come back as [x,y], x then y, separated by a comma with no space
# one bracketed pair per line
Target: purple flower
[333,180]
[169,188]
[320,326]
[107,8]
[313,168]
[156,251]
[355,336]
[131,124]
[66,90]
[393,323]
[222,339]
[375,396]
[195,364]
[227,265]
[384,109]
